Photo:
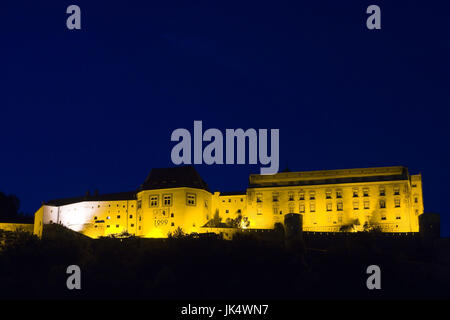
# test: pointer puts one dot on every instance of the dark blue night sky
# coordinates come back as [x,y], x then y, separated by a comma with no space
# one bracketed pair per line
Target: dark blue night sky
[95,108]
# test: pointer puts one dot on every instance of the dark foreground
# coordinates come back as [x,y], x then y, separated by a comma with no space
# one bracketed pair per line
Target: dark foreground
[249,267]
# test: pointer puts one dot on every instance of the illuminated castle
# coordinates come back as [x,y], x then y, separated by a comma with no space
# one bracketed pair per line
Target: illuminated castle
[387,198]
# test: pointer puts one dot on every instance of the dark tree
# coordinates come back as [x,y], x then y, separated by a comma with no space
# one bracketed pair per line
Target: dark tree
[9,210]
[9,206]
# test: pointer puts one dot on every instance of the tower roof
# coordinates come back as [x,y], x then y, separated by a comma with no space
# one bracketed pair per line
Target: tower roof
[175,177]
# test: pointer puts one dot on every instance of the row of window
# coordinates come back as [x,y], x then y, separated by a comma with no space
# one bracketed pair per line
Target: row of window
[118,217]
[340,205]
[229,200]
[328,194]
[167,200]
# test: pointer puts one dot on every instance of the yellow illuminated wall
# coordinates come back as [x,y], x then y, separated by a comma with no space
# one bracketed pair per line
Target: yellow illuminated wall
[392,205]
[38,222]
[164,210]
[25,227]
[229,207]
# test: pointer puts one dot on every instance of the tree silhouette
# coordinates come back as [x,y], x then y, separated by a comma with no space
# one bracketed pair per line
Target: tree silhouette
[9,206]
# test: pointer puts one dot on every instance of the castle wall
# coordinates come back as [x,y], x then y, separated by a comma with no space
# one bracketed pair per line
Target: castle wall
[229,207]
[393,206]
[94,218]
[164,210]
[25,227]
[327,208]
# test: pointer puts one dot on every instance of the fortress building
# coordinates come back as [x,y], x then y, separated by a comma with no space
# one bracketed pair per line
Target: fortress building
[349,200]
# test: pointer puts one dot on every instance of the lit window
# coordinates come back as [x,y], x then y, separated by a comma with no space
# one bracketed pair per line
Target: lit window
[366,205]
[154,200]
[275,210]
[191,199]
[382,204]
[301,195]
[108,217]
[355,205]
[258,197]
[291,209]
[275,197]
[167,200]
[329,206]
[312,207]
[291,196]
[340,206]
[340,218]
[259,211]
[397,202]
[302,208]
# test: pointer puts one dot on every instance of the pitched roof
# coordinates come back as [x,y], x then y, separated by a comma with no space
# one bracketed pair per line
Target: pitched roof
[100,197]
[175,177]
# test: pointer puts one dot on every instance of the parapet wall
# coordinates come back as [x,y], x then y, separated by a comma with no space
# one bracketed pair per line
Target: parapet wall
[27,227]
